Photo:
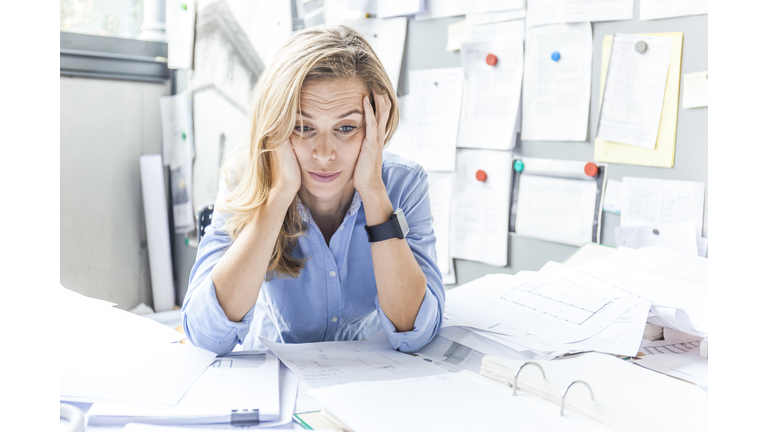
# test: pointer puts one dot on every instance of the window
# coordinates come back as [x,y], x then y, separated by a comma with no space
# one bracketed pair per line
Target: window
[116,18]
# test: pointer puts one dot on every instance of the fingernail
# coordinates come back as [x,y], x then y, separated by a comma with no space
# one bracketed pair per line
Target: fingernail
[366,100]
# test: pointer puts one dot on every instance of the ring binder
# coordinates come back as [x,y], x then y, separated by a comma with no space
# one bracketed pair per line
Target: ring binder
[562,399]
[244,417]
[514,385]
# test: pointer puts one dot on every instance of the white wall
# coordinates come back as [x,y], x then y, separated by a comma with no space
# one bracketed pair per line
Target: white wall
[105,126]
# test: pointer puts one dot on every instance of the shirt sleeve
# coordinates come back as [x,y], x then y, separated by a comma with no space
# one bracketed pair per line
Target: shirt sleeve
[413,197]
[205,323]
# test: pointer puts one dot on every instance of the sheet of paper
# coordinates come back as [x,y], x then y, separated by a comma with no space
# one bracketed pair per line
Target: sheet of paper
[491,94]
[393,8]
[556,209]
[696,90]
[400,405]
[289,384]
[480,209]
[178,154]
[323,364]
[557,92]
[701,245]
[548,308]
[677,237]
[634,91]
[542,12]
[476,340]
[244,379]
[507,30]
[658,9]
[663,155]
[612,196]
[440,190]
[451,356]
[429,118]
[494,17]
[650,201]
[387,37]
[180,32]
[455,35]
[449,8]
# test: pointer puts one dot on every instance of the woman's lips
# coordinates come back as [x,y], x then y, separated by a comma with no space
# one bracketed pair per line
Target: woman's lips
[324,177]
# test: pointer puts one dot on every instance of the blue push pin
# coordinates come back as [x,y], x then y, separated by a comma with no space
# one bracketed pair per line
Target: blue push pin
[555,56]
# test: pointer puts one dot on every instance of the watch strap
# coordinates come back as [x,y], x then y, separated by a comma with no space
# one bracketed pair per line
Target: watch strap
[385,231]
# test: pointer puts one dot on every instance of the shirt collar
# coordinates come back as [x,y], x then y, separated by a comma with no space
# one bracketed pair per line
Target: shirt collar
[353,207]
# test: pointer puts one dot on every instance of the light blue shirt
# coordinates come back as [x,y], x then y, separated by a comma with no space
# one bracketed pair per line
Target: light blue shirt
[334,298]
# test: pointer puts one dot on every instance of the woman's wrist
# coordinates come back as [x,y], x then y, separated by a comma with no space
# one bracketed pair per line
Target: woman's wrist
[378,207]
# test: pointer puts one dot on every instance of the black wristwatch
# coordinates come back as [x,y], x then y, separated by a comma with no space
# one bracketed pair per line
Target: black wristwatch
[395,227]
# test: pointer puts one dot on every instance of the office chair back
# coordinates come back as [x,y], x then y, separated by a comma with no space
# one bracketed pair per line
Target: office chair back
[204,218]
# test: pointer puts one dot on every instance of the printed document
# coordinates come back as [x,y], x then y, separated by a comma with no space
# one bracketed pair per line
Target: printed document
[494,17]
[650,201]
[180,32]
[389,9]
[433,110]
[323,364]
[659,9]
[556,93]
[491,105]
[559,210]
[449,8]
[542,12]
[677,237]
[696,90]
[178,154]
[440,191]
[634,91]
[612,196]
[481,208]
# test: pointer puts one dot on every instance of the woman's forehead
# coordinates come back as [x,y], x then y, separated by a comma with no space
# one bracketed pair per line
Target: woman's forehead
[332,94]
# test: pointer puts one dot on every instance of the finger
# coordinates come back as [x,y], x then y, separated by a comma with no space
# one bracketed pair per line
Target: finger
[382,114]
[371,132]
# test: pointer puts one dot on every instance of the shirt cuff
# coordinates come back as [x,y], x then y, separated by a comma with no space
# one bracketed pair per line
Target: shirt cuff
[207,326]
[425,327]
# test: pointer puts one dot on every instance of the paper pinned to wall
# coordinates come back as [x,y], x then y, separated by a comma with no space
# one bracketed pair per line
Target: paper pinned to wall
[180,32]
[455,35]
[494,17]
[508,31]
[677,237]
[440,190]
[659,9]
[481,208]
[542,12]
[387,37]
[612,196]
[556,209]
[557,82]
[650,201]
[390,8]
[696,90]
[663,155]
[430,118]
[630,111]
[449,8]
[491,94]
[178,154]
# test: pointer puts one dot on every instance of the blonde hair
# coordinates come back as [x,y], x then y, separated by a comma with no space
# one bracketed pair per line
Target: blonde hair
[333,52]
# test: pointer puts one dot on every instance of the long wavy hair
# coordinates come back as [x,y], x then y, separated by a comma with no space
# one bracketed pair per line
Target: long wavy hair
[318,53]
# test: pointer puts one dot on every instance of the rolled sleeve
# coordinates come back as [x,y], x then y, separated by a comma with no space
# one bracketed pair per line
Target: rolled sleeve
[425,327]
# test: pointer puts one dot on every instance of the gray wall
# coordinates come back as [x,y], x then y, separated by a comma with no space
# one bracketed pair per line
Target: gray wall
[425,49]
[105,126]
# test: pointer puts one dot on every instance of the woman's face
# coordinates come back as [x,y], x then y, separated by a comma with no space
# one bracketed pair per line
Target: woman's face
[329,143]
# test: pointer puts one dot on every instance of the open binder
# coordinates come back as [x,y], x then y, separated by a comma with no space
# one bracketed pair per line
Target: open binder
[606,390]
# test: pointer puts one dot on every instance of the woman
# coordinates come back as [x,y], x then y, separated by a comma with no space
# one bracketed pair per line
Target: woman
[307,239]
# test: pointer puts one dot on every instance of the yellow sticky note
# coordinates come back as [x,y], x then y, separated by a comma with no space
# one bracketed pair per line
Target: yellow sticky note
[663,155]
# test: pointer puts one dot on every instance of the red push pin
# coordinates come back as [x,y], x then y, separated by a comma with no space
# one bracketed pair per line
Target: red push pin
[491,60]
[480,175]
[590,169]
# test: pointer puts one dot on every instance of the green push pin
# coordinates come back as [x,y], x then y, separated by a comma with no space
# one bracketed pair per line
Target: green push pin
[184,6]
[519,165]
[183,136]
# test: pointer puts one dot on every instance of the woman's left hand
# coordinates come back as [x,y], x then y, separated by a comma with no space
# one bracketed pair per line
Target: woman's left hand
[367,176]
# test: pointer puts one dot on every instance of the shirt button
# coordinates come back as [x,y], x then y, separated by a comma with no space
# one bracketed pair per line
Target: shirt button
[334,319]
[333,274]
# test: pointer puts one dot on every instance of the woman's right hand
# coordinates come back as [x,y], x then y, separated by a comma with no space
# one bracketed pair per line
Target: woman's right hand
[286,174]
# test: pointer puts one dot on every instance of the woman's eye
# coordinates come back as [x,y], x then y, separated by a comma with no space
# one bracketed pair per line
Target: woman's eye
[347,129]
[301,129]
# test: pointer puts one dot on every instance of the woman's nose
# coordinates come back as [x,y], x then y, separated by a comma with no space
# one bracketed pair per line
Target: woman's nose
[324,150]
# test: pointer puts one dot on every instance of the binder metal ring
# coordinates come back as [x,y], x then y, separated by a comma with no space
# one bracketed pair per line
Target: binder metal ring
[562,399]
[514,384]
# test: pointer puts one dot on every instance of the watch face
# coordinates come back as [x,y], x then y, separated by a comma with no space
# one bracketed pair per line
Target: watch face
[402,222]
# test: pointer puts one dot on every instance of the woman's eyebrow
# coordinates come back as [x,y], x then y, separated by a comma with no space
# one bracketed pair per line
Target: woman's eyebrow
[354,111]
